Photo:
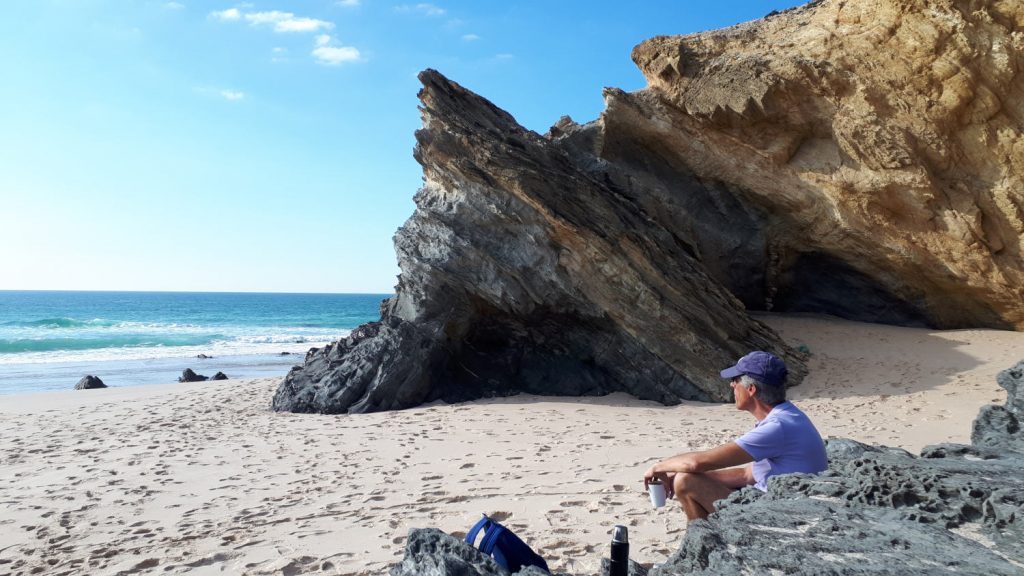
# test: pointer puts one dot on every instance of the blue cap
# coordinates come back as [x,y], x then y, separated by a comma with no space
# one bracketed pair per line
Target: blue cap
[761,366]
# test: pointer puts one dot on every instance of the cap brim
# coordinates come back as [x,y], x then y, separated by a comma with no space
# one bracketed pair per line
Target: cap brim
[731,372]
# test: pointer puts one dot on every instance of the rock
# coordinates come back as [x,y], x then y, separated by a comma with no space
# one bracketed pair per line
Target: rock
[876,144]
[189,376]
[219,376]
[532,266]
[203,356]
[285,354]
[862,159]
[431,552]
[634,568]
[89,383]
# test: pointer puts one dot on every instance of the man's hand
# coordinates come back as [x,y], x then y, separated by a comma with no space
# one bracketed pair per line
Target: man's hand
[723,456]
[665,478]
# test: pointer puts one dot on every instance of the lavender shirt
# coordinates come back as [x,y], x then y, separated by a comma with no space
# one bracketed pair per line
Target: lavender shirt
[785,441]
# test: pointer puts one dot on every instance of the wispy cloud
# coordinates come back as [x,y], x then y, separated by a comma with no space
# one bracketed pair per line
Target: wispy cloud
[174,6]
[329,55]
[348,3]
[504,56]
[227,15]
[470,37]
[224,93]
[287,22]
[326,50]
[423,8]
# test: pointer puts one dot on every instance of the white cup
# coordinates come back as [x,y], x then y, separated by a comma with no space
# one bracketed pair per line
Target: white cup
[657,492]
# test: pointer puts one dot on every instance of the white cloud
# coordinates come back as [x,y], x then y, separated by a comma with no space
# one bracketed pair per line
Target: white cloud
[225,93]
[504,56]
[324,51]
[174,5]
[287,22]
[226,15]
[335,55]
[423,8]
[348,3]
[470,37]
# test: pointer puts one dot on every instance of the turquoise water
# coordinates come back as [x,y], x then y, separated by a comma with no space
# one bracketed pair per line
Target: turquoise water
[49,340]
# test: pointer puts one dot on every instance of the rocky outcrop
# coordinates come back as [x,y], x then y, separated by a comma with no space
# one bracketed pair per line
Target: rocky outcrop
[188,375]
[954,509]
[530,267]
[860,158]
[89,382]
[219,376]
[879,143]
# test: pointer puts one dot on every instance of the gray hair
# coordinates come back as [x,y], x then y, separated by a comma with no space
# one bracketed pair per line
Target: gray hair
[770,395]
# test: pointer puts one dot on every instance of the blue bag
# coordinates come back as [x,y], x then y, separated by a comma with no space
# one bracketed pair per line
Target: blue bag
[508,550]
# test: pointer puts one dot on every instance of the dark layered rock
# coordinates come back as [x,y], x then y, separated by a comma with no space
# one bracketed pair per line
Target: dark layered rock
[530,265]
[219,376]
[188,375]
[89,382]
[955,509]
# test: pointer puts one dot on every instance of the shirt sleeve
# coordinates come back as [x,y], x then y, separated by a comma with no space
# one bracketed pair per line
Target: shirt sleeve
[762,442]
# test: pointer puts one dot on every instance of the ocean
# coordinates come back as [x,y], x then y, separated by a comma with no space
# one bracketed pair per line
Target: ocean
[50,340]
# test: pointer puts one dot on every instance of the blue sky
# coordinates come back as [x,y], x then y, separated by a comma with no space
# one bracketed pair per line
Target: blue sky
[267,146]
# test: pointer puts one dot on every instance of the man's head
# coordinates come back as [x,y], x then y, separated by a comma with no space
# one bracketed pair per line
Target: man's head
[765,372]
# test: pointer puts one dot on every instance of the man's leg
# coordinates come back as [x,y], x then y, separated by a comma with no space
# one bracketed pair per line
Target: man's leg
[697,493]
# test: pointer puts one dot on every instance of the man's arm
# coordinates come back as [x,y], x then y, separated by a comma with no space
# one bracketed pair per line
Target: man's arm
[722,456]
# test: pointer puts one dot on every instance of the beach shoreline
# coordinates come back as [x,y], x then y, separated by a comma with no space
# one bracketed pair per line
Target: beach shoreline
[204,478]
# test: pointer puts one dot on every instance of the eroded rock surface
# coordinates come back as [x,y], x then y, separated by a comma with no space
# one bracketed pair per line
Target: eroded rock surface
[530,265]
[879,142]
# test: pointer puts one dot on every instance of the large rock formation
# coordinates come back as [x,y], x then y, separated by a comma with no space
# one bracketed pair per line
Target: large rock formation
[881,139]
[858,158]
[531,266]
[956,509]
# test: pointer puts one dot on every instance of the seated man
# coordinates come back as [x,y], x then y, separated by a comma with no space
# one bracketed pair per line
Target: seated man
[784,440]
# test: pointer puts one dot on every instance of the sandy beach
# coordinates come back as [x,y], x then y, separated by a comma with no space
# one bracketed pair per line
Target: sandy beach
[203,479]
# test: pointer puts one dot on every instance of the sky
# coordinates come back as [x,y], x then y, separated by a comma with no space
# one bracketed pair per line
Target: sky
[267,146]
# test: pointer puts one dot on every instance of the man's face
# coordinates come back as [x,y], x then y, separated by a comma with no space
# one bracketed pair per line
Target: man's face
[741,395]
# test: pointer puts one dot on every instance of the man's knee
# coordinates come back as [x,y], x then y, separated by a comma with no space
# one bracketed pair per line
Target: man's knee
[684,482]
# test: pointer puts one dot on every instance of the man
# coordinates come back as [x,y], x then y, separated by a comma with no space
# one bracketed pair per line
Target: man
[783,441]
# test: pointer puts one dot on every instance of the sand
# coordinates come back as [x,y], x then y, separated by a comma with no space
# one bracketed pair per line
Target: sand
[203,479]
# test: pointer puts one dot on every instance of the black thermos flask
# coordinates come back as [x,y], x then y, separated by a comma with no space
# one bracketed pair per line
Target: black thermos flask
[619,565]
